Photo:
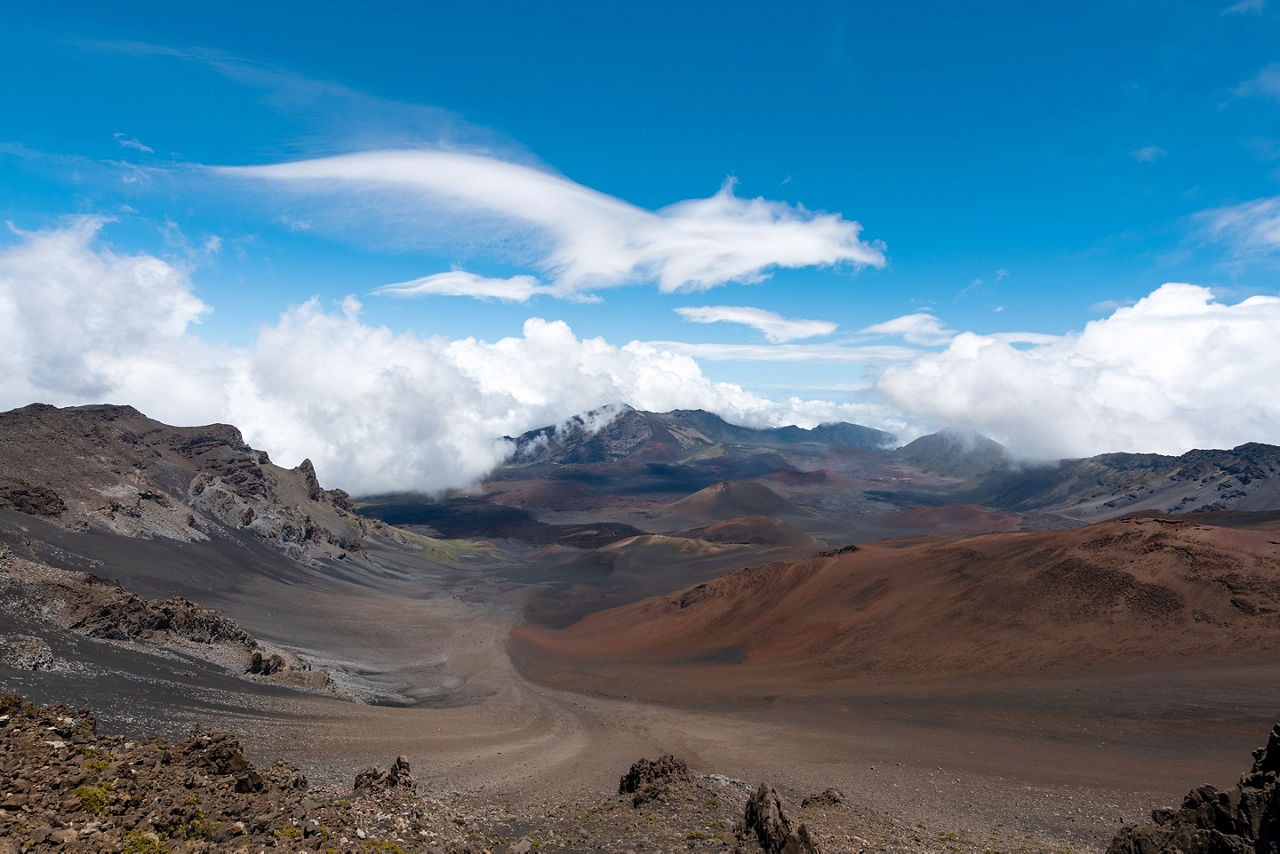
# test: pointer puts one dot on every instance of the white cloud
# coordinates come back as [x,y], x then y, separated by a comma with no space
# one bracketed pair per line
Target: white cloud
[1254,6]
[919,328]
[126,141]
[1148,153]
[581,239]
[1250,228]
[1177,370]
[831,354]
[81,324]
[375,410]
[459,283]
[1266,84]
[775,327]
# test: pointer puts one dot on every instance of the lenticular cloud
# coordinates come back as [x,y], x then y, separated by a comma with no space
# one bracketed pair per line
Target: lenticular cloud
[580,238]
[1178,370]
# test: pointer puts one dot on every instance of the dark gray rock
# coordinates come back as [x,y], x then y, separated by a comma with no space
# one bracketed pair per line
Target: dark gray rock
[766,821]
[829,798]
[376,778]
[1242,820]
[649,780]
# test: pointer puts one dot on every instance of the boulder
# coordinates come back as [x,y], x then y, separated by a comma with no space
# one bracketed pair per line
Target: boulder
[215,752]
[26,652]
[649,780]
[376,778]
[765,820]
[829,798]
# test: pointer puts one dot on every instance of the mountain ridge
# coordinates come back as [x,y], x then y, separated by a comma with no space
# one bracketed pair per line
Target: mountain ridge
[109,467]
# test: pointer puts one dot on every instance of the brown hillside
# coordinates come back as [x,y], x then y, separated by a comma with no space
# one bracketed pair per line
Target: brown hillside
[730,499]
[758,530]
[953,520]
[1110,596]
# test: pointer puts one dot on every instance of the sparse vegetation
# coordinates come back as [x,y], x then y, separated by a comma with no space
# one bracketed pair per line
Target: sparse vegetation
[95,798]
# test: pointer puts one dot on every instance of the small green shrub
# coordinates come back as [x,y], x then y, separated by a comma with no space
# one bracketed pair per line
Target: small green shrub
[94,799]
[137,842]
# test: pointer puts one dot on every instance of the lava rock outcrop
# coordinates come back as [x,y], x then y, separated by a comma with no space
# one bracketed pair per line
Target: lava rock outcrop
[649,780]
[765,819]
[1241,820]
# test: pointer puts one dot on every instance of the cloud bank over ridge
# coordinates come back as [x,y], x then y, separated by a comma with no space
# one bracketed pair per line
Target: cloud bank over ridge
[375,410]
[378,410]
[1177,370]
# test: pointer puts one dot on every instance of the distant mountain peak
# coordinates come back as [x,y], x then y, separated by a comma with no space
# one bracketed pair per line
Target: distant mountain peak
[619,432]
[954,453]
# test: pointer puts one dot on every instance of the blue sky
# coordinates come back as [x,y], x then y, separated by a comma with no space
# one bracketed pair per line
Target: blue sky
[1021,169]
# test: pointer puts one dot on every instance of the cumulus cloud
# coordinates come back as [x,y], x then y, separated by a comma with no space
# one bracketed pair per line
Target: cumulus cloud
[1175,371]
[919,328]
[775,327]
[86,324]
[459,283]
[579,238]
[374,409]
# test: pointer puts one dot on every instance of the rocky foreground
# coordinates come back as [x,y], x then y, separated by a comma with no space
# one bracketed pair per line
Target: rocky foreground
[67,787]
[1242,820]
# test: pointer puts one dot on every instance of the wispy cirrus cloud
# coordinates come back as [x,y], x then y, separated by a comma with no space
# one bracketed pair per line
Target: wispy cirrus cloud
[337,117]
[1245,7]
[1265,84]
[460,283]
[580,239]
[919,328]
[830,354]
[1148,153]
[1248,229]
[775,327]
[126,141]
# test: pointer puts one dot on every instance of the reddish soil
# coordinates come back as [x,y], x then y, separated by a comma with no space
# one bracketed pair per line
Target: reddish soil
[760,530]
[1112,596]
[951,520]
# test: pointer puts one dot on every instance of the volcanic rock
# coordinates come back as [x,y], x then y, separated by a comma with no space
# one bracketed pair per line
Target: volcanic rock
[32,499]
[112,468]
[828,798]
[376,778]
[649,780]
[25,652]
[1243,820]
[766,819]
[127,616]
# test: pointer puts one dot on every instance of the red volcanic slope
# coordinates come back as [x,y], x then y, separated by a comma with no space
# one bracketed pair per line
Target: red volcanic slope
[760,530]
[1116,595]
[952,519]
[731,499]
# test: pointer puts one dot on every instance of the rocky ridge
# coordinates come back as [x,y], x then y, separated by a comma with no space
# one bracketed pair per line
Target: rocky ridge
[112,468]
[1242,820]
[614,434]
[102,609]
